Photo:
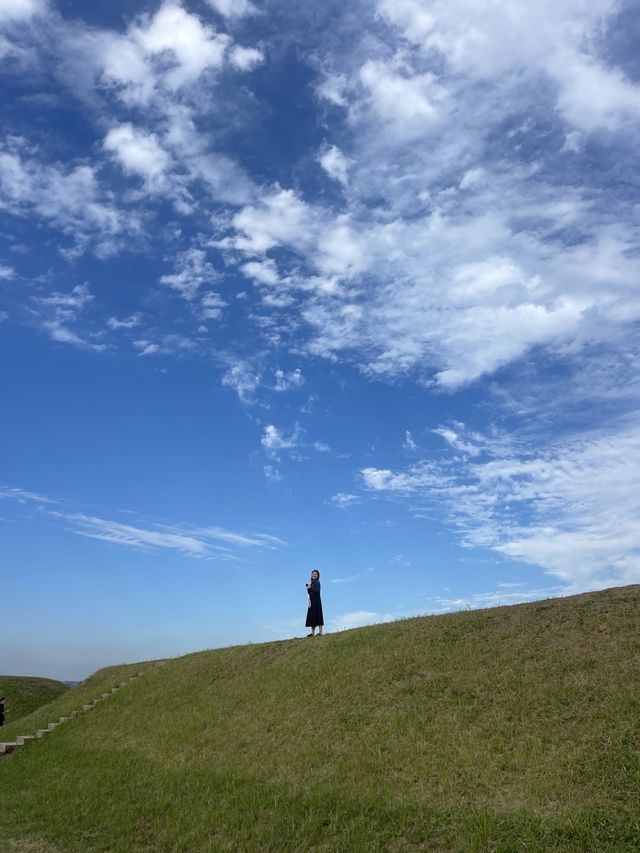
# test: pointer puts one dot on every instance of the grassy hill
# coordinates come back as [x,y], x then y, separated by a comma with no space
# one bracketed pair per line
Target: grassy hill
[24,694]
[509,729]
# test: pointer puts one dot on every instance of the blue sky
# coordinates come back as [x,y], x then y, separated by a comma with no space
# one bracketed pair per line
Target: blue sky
[283,285]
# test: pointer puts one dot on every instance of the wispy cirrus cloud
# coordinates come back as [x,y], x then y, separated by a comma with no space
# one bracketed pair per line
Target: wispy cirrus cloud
[503,595]
[210,542]
[569,506]
[70,198]
[58,313]
[24,496]
[190,540]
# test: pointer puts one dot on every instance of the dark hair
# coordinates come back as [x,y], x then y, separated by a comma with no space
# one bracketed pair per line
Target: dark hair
[316,571]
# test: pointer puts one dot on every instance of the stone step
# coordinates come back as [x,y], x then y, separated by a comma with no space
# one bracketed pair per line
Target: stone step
[21,740]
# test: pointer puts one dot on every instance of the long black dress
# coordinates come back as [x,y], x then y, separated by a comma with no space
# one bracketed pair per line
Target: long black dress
[314,611]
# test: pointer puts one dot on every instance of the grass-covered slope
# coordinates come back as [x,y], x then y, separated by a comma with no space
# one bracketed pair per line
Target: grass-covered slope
[508,729]
[71,700]
[24,694]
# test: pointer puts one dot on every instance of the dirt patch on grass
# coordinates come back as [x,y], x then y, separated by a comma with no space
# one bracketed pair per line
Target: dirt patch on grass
[29,845]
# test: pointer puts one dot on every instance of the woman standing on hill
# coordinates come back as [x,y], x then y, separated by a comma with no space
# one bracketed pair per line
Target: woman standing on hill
[315,619]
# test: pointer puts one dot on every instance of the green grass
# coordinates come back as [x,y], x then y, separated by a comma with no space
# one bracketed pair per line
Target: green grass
[512,729]
[24,694]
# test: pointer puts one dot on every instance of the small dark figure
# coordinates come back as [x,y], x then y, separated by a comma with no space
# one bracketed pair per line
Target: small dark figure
[1,710]
[315,619]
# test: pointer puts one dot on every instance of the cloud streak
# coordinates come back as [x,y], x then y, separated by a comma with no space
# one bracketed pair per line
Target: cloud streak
[569,507]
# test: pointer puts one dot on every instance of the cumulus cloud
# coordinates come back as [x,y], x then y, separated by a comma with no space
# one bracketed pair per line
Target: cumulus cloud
[243,379]
[285,380]
[335,164]
[129,61]
[274,440]
[245,58]
[20,10]
[484,40]
[139,153]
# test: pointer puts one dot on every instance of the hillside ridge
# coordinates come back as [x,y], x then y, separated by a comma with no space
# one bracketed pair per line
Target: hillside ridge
[508,728]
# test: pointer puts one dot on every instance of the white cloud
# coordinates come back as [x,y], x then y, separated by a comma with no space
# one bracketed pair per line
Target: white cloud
[361,618]
[570,507]
[70,199]
[211,306]
[245,58]
[6,272]
[67,303]
[138,152]
[192,271]
[20,10]
[273,439]
[406,99]
[409,444]
[332,88]
[343,500]
[170,344]
[209,542]
[457,440]
[335,164]
[594,97]
[351,578]
[272,473]
[233,8]
[59,311]
[146,347]
[62,334]
[497,598]
[559,39]
[472,178]
[339,250]
[280,219]
[125,323]
[130,61]
[287,380]
[264,272]
[194,541]
[24,496]
[243,379]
